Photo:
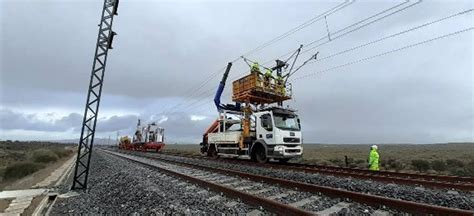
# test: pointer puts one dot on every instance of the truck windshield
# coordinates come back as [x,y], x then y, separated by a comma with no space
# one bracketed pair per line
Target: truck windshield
[286,122]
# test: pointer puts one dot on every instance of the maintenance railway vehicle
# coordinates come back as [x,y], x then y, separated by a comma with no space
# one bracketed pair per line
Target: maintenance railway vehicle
[257,126]
[146,138]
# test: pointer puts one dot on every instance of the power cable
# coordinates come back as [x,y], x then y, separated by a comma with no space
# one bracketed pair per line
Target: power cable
[349,26]
[358,28]
[385,53]
[278,38]
[352,25]
[301,26]
[394,35]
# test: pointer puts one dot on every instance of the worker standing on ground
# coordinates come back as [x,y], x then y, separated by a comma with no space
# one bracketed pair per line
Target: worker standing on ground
[373,159]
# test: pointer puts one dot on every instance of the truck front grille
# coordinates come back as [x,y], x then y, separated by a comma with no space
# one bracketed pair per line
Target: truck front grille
[291,140]
[292,150]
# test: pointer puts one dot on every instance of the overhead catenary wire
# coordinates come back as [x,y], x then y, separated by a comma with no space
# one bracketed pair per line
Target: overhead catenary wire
[384,53]
[354,24]
[333,10]
[395,35]
[373,56]
[349,26]
[385,38]
[345,28]
[360,27]
[302,26]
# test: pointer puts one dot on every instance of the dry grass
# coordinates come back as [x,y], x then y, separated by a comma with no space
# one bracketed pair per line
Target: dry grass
[19,159]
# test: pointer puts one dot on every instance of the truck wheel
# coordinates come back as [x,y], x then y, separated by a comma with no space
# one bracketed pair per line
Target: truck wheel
[260,155]
[211,152]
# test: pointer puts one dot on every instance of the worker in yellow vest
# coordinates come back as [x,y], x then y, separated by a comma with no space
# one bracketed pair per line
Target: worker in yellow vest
[373,158]
[268,77]
[280,84]
[255,68]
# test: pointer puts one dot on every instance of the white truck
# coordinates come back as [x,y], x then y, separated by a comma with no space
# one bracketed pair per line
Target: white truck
[275,133]
[252,128]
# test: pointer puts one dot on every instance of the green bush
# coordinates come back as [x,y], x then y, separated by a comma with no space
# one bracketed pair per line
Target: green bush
[454,163]
[360,161]
[336,161]
[394,164]
[18,170]
[438,165]
[421,165]
[44,156]
[467,170]
[470,168]
[61,152]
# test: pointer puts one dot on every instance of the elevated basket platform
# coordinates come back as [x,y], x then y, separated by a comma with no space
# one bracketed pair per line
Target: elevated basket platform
[254,88]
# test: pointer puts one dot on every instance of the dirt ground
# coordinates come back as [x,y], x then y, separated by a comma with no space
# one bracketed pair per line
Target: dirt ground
[4,203]
[34,204]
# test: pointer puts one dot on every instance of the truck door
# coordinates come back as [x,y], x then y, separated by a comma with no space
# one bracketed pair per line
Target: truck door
[265,128]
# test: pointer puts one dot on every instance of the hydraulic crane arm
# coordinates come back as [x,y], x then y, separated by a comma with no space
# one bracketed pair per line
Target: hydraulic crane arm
[220,89]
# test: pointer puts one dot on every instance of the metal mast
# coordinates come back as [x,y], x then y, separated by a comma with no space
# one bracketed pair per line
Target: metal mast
[86,142]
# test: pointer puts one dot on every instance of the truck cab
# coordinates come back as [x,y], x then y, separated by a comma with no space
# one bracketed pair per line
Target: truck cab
[279,132]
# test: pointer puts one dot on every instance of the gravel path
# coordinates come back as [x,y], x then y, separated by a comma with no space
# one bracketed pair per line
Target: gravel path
[452,199]
[120,187]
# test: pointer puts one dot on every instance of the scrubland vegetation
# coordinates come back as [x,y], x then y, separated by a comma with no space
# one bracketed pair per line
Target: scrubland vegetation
[19,159]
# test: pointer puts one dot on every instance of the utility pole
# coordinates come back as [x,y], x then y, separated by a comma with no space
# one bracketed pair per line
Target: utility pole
[86,142]
[118,137]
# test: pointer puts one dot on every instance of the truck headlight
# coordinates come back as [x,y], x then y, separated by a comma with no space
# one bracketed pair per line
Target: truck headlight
[278,148]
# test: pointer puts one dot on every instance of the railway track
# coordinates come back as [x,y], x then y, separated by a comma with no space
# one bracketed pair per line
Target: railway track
[368,199]
[432,181]
[272,198]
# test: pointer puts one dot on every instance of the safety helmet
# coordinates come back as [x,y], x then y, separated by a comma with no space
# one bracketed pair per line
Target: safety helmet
[374,147]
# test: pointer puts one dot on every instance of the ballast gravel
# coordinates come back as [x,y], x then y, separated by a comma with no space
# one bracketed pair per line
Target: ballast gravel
[120,187]
[460,199]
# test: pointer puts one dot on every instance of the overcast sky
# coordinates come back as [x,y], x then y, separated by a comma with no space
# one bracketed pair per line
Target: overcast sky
[166,50]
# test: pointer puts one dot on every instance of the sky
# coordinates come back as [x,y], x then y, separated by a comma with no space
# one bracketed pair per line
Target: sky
[168,59]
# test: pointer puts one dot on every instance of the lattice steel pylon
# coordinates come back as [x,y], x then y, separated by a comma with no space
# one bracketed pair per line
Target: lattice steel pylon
[86,142]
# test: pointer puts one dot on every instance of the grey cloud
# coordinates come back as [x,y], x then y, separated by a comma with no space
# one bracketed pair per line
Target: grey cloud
[116,123]
[11,120]
[179,126]
[164,48]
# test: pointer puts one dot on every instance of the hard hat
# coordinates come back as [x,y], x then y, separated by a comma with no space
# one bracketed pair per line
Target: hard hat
[374,147]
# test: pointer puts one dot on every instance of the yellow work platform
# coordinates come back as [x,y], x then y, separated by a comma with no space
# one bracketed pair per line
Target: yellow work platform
[255,88]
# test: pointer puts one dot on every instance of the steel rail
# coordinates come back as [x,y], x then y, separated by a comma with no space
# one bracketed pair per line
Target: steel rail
[271,205]
[444,178]
[373,200]
[435,181]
